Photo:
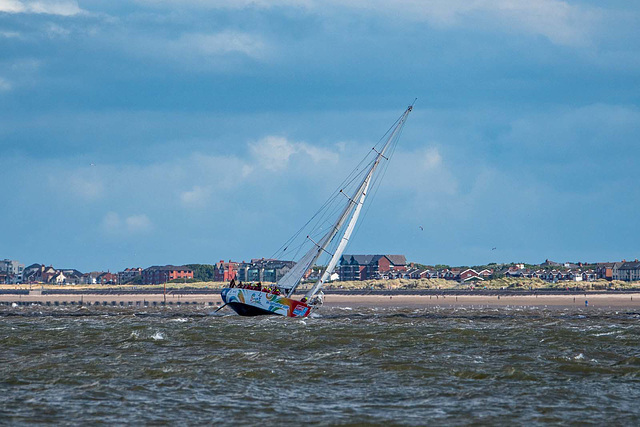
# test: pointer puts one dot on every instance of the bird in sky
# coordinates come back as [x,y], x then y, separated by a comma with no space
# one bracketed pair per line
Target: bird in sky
[493,249]
[421,228]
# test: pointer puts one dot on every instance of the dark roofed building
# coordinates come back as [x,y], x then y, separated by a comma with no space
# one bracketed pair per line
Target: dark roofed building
[365,267]
[627,271]
[604,270]
[128,275]
[263,270]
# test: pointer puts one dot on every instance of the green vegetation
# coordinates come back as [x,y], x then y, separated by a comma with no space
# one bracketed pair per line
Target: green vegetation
[203,272]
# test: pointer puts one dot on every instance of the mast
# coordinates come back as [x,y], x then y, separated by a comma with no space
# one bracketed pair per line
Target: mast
[360,196]
[312,256]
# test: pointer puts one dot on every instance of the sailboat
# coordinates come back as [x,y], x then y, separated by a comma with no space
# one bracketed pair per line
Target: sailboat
[255,300]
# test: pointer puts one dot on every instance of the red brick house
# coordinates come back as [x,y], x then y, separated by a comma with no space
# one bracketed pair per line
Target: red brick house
[108,278]
[604,270]
[225,271]
[162,274]
[470,274]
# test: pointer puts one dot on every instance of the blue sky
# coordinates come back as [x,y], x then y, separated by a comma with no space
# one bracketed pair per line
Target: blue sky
[184,131]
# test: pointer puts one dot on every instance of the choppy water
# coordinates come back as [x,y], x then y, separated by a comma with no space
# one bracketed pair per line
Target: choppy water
[365,366]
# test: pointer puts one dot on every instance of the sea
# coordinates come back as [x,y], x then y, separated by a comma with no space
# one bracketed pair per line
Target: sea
[343,366]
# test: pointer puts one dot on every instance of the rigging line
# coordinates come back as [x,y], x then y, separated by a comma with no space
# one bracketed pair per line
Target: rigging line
[319,230]
[339,206]
[348,181]
[287,243]
[376,187]
[324,220]
[348,198]
[317,245]
[379,153]
[383,137]
[378,180]
[292,238]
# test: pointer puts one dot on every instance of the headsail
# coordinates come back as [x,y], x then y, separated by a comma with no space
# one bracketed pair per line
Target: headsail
[292,278]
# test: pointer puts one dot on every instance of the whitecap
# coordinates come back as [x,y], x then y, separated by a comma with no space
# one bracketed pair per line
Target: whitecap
[179,320]
[579,357]
[157,336]
[602,334]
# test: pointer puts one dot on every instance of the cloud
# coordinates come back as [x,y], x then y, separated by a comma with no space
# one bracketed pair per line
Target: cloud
[421,173]
[432,158]
[233,4]
[273,152]
[559,21]
[89,189]
[4,85]
[112,223]
[197,51]
[137,223]
[87,184]
[10,34]
[197,196]
[53,31]
[223,43]
[49,7]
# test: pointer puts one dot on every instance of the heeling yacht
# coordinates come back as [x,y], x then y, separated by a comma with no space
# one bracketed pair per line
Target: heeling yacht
[347,201]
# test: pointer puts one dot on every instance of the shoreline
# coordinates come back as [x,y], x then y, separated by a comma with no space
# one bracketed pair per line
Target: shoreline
[595,299]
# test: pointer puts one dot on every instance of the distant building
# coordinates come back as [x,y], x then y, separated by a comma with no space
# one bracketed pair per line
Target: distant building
[129,274]
[413,272]
[108,278]
[39,273]
[263,270]
[162,274]
[12,271]
[366,267]
[70,276]
[91,278]
[225,271]
[627,271]
[604,270]
[486,273]
[31,273]
[470,274]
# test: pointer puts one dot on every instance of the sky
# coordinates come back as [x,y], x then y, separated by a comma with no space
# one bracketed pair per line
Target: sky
[151,132]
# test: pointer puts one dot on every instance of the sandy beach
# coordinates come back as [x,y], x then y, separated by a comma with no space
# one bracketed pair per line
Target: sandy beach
[602,300]
[594,300]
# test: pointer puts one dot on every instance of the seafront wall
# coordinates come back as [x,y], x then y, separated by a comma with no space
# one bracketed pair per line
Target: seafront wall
[390,298]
